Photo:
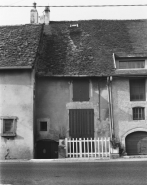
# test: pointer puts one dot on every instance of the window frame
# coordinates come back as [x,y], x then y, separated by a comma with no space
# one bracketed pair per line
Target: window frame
[138,117]
[6,134]
[131,59]
[137,81]
[129,62]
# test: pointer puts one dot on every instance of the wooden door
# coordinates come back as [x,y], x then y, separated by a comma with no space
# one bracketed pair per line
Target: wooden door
[81,123]
[136,143]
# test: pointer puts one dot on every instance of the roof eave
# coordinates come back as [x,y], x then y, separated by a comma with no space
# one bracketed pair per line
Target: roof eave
[16,67]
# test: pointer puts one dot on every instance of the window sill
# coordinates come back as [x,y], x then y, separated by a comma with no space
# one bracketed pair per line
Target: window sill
[8,135]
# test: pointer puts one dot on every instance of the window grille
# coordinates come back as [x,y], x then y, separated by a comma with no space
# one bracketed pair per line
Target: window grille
[8,126]
[131,64]
[138,113]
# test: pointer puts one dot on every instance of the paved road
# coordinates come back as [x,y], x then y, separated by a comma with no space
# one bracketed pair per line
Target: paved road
[54,173]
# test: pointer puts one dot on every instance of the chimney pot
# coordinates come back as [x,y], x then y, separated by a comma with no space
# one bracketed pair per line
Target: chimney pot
[47,15]
[34,15]
[34,5]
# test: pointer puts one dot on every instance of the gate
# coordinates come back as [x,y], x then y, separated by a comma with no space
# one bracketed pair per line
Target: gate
[96,148]
[47,149]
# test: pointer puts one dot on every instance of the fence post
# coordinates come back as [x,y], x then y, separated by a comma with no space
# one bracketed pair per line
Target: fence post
[80,147]
[66,147]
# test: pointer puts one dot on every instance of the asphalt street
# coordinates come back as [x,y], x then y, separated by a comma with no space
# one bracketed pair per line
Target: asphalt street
[55,173]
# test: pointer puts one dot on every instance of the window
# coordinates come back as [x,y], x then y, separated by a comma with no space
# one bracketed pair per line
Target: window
[131,64]
[43,126]
[138,113]
[8,126]
[137,90]
[80,90]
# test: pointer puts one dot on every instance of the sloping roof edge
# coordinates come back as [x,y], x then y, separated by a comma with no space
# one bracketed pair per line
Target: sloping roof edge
[16,67]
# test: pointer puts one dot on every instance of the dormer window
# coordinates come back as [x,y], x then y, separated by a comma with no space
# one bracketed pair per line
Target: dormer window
[131,64]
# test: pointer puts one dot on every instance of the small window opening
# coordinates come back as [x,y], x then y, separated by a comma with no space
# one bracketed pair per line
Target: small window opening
[8,126]
[43,126]
[74,25]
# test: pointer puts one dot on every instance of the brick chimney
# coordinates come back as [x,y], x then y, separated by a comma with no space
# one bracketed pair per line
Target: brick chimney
[34,15]
[47,15]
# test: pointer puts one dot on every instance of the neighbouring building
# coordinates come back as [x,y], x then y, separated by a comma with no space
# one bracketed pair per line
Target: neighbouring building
[129,91]
[18,49]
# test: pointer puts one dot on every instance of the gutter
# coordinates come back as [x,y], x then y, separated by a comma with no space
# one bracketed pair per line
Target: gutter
[16,67]
[41,75]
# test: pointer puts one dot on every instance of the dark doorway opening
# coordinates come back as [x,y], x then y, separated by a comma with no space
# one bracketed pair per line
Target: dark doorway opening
[136,143]
[47,149]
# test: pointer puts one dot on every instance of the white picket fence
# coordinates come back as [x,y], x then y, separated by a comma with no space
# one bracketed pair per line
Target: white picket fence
[80,148]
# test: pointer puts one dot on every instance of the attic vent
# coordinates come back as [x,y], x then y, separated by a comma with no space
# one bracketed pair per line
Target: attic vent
[74,25]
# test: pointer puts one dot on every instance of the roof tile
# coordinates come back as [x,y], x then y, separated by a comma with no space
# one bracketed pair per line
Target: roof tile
[88,48]
[19,44]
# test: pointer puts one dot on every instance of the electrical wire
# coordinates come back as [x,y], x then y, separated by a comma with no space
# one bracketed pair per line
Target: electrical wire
[68,6]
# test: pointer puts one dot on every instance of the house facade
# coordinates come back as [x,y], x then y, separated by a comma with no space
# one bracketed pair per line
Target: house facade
[72,79]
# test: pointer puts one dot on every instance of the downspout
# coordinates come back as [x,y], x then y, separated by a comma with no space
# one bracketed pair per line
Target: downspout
[99,96]
[109,79]
[111,105]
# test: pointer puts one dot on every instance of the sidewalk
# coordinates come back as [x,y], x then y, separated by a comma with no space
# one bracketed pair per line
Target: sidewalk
[74,160]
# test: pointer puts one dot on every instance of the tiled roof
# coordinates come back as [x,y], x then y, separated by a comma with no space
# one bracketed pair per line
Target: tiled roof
[88,48]
[19,44]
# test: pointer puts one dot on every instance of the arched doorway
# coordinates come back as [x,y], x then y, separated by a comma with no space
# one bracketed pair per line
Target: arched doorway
[47,149]
[136,143]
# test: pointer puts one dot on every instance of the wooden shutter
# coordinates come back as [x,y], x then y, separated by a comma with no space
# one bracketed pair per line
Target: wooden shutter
[80,90]
[81,123]
[137,90]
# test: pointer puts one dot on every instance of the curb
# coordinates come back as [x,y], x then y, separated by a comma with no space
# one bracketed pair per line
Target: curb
[75,160]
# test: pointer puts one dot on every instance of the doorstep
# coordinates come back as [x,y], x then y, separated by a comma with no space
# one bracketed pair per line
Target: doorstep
[134,156]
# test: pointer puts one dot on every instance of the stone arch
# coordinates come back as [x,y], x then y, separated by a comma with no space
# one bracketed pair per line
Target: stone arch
[129,132]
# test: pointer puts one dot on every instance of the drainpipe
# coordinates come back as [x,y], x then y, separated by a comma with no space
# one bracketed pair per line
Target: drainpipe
[111,104]
[99,97]
[109,82]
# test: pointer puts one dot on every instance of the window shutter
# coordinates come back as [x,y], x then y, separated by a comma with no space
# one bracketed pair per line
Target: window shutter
[81,123]
[80,90]
[137,90]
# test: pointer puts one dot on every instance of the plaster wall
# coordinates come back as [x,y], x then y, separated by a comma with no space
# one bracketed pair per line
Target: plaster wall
[122,109]
[54,99]
[16,99]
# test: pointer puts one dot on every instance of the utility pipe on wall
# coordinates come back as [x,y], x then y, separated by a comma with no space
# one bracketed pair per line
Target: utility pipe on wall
[111,104]
[109,83]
